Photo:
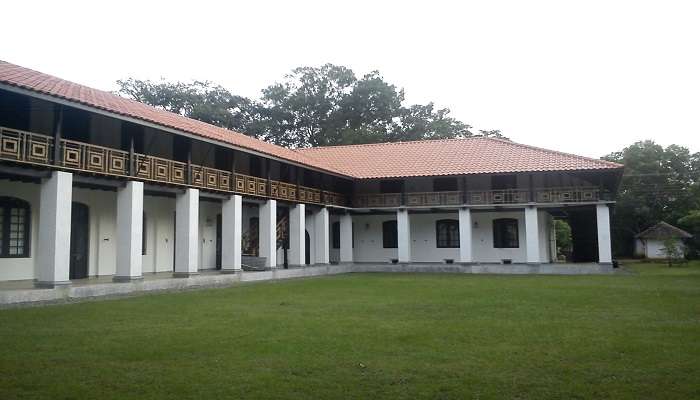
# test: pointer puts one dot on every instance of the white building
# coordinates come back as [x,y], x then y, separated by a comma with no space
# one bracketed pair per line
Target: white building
[651,243]
[92,184]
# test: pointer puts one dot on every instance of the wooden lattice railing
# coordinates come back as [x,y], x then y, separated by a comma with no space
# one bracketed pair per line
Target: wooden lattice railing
[478,197]
[32,148]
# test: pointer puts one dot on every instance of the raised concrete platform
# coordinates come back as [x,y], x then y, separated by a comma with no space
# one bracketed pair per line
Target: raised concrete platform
[24,292]
[480,268]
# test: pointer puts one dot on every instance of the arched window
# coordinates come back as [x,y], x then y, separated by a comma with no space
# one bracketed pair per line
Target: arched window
[505,233]
[15,222]
[447,233]
[390,234]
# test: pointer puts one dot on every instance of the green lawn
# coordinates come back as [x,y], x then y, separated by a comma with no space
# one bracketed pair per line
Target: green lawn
[368,336]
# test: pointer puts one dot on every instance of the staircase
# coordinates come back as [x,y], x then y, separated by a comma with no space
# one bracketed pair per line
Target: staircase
[252,263]
[250,260]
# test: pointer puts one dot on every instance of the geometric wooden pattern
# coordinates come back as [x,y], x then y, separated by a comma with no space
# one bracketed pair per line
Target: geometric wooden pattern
[567,194]
[21,146]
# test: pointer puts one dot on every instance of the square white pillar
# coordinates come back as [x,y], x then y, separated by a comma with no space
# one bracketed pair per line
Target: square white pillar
[53,254]
[297,235]
[403,224]
[603,223]
[346,238]
[129,232]
[321,235]
[465,235]
[231,233]
[532,235]
[268,233]
[187,228]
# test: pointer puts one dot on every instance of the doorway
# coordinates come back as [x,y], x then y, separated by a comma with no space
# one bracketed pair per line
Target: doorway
[307,247]
[218,241]
[79,241]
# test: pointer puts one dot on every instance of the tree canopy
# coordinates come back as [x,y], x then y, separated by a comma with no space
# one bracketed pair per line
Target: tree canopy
[659,184]
[310,106]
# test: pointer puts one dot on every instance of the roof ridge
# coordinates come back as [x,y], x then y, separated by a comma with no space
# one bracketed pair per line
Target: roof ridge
[303,149]
[663,224]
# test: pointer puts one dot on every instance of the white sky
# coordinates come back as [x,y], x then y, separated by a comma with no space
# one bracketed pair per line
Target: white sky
[586,77]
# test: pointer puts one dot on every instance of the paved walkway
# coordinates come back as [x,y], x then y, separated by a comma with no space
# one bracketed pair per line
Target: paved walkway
[23,292]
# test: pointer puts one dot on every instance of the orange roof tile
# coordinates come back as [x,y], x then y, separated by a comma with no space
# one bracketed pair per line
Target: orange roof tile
[475,155]
[25,78]
[382,160]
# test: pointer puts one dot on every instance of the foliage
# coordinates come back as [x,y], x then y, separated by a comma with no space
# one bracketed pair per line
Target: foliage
[563,237]
[659,184]
[672,251]
[200,100]
[369,336]
[691,223]
[311,106]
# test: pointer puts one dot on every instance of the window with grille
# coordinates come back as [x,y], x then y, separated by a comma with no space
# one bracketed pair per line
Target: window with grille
[14,227]
[505,233]
[447,231]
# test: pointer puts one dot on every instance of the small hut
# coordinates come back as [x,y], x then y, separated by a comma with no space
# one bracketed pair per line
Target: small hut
[650,242]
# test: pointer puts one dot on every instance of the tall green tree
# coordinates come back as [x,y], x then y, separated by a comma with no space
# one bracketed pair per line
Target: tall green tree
[200,100]
[310,106]
[659,184]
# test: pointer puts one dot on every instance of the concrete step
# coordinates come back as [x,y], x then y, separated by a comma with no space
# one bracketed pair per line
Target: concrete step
[250,263]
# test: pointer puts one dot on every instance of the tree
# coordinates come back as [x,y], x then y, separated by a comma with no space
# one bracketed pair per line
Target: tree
[200,100]
[659,184]
[672,251]
[563,237]
[691,223]
[311,106]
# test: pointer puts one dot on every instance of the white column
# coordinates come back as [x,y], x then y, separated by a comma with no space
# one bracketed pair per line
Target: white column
[465,235]
[603,223]
[53,250]
[231,233]
[321,235]
[268,233]
[346,238]
[187,227]
[297,235]
[532,237]
[403,224]
[129,231]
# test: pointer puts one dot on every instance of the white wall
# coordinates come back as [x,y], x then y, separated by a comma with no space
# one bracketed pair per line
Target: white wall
[22,268]
[160,234]
[654,248]
[208,212]
[102,236]
[368,239]
[369,245]
[424,238]
[102,208]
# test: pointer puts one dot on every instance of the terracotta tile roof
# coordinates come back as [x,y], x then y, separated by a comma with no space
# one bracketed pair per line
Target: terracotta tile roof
[35,81]
[420,158]
[663,230]
[448,157]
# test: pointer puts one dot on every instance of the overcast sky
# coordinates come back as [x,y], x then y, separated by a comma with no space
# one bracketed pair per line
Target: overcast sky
[586,77]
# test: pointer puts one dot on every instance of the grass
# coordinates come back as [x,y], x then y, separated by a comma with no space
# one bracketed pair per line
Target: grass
[373,336]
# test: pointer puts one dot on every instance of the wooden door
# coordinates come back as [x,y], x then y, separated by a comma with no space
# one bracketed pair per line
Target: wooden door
[79,241]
